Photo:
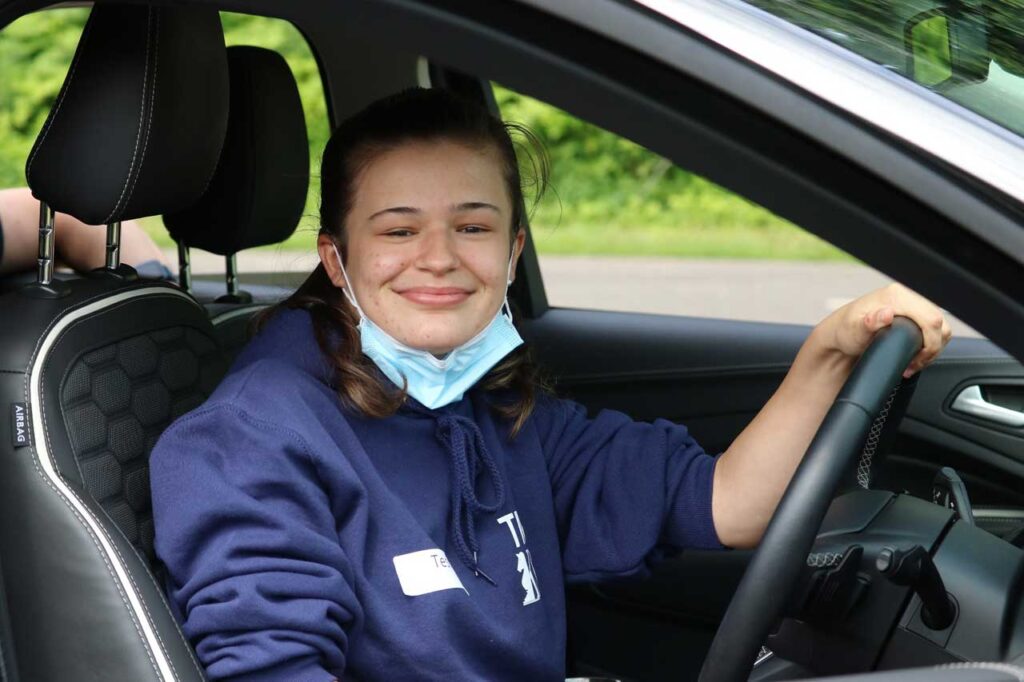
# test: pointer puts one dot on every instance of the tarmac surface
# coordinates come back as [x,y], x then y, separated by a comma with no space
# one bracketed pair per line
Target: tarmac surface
[768,291]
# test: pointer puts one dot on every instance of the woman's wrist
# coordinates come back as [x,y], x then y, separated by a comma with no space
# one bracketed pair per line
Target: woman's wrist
[822,351]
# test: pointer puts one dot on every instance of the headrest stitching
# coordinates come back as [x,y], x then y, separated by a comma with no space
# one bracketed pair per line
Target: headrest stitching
[60,100]
[152,105]
[138,136]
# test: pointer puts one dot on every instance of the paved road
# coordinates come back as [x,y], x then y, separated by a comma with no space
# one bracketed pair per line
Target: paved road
[770,291]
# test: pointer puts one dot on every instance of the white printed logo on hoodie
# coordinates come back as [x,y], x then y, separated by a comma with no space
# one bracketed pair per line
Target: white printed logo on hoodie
[524,562]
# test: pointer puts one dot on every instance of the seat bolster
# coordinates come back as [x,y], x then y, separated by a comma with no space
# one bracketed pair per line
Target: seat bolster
[65,583]
[77,583]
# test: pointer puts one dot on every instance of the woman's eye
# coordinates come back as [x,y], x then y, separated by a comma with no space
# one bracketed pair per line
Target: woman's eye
[474,229]
[398,232]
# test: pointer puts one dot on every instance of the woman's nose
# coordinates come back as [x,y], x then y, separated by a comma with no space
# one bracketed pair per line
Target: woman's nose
[438,253]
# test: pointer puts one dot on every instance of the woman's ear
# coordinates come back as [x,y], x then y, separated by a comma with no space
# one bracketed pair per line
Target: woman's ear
[517,250]
[325,247]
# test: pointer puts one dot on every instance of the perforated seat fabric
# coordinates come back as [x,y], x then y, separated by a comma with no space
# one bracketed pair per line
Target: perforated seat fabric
[118,399]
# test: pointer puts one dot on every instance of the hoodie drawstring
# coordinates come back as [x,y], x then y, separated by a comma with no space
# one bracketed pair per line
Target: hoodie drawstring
[462,439]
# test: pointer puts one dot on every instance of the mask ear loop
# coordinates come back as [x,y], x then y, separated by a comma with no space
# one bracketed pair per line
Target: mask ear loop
[349,292]
[506,309]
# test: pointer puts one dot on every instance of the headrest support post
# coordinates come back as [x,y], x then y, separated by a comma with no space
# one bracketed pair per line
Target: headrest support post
[113,245]
[184,267]
[45,285]
[46,244]
[231,273]
[234,295]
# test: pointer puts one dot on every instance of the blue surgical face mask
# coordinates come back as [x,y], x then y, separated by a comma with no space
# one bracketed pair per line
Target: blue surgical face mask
[433,381]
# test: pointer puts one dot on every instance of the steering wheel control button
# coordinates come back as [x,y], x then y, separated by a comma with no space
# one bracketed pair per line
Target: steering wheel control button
[833,587]
[914,568]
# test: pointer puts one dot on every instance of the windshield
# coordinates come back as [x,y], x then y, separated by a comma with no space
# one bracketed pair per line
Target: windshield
[971,51]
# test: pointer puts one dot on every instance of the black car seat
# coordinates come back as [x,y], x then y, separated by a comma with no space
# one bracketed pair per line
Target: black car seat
[94,368]
[258,192]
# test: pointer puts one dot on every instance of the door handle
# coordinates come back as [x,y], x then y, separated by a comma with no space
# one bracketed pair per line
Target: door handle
[971,401]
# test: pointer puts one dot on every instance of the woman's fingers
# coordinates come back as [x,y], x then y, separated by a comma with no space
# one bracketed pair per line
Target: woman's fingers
[935,332]
[862,319]
[880,318]
[898,300]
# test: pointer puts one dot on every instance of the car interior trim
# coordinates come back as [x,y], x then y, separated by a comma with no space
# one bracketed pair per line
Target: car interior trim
[245,311]
[734,371]
[998,513]
[41,446]
[836,75]
[915,428]
[970,400]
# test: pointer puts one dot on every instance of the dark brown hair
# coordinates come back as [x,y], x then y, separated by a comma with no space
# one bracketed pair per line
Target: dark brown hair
[414,115]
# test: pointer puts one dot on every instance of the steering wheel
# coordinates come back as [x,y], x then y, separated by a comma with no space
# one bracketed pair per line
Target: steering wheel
[772,575]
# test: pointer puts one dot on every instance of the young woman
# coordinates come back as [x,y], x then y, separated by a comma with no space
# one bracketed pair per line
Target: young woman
[378,490]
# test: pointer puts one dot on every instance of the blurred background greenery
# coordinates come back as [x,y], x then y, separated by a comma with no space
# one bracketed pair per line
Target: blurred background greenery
[607,195]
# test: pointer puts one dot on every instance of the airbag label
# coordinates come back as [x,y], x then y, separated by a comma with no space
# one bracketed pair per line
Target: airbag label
[21,425]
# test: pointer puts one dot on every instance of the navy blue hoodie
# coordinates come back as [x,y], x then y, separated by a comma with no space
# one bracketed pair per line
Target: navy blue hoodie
[305,542]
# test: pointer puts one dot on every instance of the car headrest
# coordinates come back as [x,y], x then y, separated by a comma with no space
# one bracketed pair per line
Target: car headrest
[138,125]
[258,192]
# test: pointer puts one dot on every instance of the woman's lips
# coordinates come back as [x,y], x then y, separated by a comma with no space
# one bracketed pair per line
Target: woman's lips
[435,296]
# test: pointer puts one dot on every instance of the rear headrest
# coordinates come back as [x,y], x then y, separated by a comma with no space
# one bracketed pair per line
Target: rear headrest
[138,125]
[257,195]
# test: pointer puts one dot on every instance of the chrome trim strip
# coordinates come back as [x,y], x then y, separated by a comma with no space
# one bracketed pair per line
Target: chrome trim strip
[971,401]
[41,446]
[856,85]
[998,513]
[237,312]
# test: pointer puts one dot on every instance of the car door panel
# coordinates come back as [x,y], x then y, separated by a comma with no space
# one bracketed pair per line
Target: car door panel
[989,456]
[712,375]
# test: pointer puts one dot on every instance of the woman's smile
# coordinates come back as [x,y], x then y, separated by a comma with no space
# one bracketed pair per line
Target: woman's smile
[435,297]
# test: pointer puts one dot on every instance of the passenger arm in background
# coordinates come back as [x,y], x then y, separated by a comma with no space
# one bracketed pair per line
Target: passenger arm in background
[80,246]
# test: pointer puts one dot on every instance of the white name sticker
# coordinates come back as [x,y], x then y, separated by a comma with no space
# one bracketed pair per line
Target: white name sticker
[426,571]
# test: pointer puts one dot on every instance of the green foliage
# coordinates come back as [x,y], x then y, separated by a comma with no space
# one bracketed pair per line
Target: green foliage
[608,195]
[35,53]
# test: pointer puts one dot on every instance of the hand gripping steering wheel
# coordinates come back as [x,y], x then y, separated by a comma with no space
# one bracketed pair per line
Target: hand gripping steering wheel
[772,575]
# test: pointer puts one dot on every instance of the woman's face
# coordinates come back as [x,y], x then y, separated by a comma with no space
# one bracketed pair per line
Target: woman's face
[428,243]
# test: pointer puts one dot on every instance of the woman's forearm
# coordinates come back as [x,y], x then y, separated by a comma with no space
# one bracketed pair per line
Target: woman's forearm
[753,473]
